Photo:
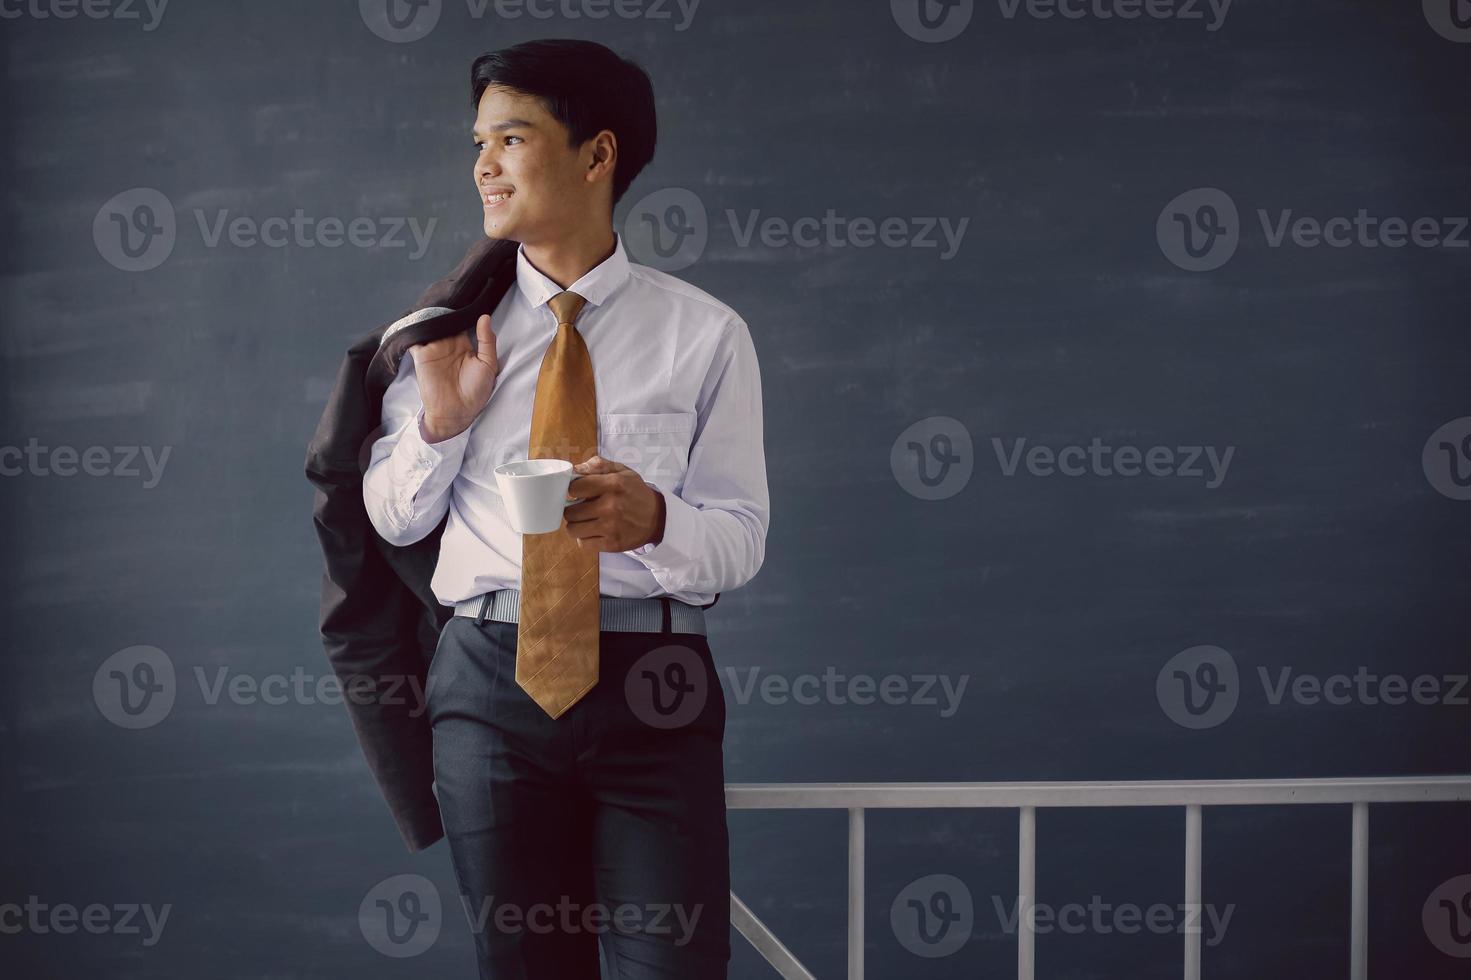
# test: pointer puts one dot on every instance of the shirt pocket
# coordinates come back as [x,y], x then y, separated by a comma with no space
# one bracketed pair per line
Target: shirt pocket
[656,446]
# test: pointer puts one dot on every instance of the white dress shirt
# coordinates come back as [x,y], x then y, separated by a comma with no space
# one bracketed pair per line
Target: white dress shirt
[678,400]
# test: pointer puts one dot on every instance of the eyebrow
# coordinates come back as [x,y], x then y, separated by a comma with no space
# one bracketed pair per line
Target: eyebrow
[506,124]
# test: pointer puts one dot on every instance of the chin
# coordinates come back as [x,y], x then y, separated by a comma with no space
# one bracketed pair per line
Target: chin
[498,229]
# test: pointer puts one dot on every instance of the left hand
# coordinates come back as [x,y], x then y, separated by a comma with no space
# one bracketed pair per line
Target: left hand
[618,512]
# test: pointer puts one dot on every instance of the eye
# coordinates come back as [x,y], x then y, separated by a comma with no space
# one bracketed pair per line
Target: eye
[515,138]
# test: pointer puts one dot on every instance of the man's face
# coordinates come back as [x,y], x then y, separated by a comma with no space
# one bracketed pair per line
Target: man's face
[522,151]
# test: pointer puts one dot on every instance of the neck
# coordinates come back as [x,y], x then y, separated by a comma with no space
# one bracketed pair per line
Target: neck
[566,260]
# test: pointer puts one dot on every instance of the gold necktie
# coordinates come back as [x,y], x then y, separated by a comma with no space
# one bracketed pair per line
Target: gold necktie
[557,639]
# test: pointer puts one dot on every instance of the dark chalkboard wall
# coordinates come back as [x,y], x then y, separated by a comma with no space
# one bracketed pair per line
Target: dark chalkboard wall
[951,427]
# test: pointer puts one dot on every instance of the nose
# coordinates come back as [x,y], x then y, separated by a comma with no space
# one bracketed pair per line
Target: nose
[486,164]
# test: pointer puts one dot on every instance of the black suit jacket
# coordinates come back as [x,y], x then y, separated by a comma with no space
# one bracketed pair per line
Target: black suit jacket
[380,621]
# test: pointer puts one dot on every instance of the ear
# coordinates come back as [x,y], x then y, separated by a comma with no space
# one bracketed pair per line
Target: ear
[604,155]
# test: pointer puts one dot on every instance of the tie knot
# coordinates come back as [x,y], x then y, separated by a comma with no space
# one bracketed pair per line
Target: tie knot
[566,305]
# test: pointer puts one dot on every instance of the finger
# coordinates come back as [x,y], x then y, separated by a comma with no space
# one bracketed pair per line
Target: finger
[485,339]
[597,464]
[592,487]
[580,512]
[592,528]
[428,351]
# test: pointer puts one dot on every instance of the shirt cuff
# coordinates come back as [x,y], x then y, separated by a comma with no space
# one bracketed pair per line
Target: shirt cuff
[680,541]
[432,453]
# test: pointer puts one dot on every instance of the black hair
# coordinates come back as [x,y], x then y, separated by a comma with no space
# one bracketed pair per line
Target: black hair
[584,86]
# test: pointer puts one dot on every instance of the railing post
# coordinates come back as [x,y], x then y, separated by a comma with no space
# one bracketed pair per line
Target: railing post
[1026,894]
[855,893]
[1192,891]
[1359,896]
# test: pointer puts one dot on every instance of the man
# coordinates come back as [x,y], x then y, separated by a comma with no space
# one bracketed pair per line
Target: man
[577,717]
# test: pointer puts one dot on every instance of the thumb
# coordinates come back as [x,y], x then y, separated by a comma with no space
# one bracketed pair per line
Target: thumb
[484,339]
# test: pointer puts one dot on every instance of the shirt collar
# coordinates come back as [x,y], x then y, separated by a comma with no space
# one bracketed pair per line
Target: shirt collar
[595,286]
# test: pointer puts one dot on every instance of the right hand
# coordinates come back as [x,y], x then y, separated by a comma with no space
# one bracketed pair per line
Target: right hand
[455,380]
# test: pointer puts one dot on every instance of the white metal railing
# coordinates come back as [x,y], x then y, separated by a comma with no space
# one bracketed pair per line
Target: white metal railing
[1027,798]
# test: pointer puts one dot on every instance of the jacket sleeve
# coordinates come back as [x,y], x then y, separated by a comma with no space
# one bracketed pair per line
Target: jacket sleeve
[370,621]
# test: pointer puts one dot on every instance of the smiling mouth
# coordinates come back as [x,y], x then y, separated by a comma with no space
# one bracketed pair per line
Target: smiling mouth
[490,201]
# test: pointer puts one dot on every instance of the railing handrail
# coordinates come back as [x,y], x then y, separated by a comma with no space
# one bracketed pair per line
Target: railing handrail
[1152,792]
[1027,798]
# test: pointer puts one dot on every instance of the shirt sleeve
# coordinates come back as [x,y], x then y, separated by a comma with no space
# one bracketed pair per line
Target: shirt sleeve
[716,521]
[406,488]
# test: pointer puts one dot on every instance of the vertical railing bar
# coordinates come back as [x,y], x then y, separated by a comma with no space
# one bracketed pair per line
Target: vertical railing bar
[1026,894]
[1359,899]
[1193,909]
[855,893]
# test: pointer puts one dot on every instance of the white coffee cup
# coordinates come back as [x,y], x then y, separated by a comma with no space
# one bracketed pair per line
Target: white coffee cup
[535,493]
